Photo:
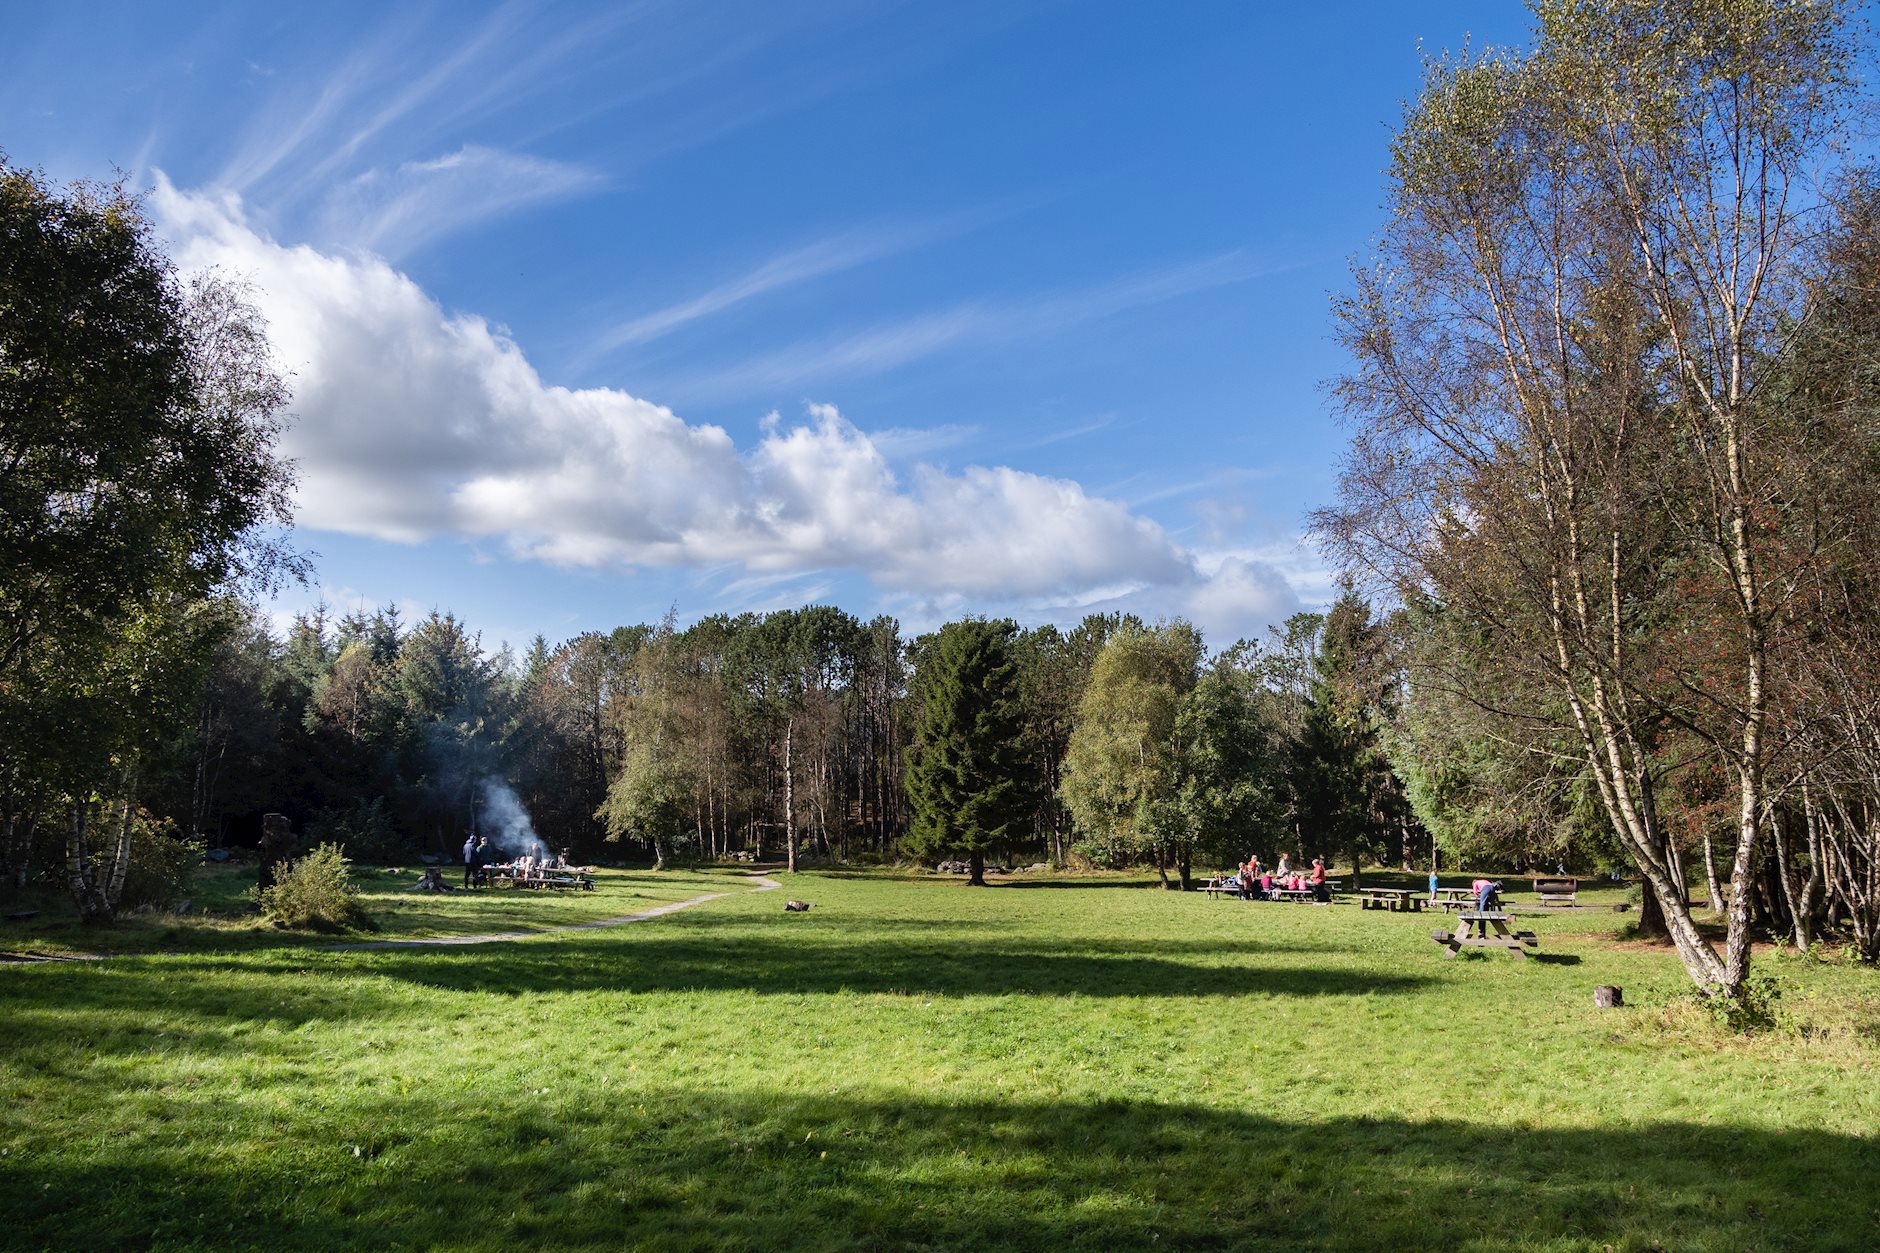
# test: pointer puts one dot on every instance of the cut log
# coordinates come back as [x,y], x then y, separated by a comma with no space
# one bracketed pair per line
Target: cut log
[796,907]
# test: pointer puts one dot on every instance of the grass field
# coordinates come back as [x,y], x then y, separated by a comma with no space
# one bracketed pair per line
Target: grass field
[1047,1064]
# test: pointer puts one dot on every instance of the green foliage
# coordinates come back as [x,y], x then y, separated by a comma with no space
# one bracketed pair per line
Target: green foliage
[1226,775]
[1756,1007]
[162,864]
[1121,775]
[316,892]
[968,781]
[364,831]
[651,797]
[1346,798]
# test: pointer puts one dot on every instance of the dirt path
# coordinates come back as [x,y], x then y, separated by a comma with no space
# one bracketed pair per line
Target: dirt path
[762,883]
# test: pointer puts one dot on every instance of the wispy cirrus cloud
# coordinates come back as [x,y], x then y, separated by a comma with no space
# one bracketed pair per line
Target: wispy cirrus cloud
[397,211]
[799,265]
[878,349]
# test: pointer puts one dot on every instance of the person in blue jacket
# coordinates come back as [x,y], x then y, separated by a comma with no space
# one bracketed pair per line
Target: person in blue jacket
[469,861]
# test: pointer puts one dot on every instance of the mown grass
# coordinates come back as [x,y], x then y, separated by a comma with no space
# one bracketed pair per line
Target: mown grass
[1047,1064]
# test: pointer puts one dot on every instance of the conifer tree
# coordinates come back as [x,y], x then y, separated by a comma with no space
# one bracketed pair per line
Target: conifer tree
[967,779]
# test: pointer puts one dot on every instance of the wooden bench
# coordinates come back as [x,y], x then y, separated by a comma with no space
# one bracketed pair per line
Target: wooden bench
[550,881]
[1485,930]
[1453,899]
[1396,900]
[1556,890]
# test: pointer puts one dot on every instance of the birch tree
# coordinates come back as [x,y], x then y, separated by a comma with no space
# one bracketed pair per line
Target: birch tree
[1598,254]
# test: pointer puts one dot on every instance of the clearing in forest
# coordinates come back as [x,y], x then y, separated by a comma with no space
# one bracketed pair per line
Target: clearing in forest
[1048,1063]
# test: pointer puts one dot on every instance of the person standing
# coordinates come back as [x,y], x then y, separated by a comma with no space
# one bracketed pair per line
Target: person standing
[469,860]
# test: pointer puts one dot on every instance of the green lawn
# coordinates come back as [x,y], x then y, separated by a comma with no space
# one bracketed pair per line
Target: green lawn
[1053,1063]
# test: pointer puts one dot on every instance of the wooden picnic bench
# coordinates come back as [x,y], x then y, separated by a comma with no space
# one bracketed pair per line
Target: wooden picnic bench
[1485,929]
[541,880]
[1556,890]
[1453,899]
[1396,900]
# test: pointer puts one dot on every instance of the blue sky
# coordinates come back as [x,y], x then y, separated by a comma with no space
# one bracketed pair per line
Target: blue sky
[599,310]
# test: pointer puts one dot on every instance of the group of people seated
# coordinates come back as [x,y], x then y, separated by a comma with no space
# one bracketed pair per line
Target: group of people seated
[1252,881]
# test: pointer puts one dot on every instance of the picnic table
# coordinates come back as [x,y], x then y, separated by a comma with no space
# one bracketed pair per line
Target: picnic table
[1485,929]
[542,878]
[1219,886]
[1396,900]
[1453,899]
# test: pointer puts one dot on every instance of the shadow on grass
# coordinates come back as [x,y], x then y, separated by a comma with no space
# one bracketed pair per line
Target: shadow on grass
[706,1169]
[717,958]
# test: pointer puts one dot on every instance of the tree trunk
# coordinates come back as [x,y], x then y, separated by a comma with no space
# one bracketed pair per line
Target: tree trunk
[1184,867]
[92,907]
[977,859]
[1779,836]
[23,869]
[121,855]
[789,795]
[1804,909]
[1710,874]
[1651,913]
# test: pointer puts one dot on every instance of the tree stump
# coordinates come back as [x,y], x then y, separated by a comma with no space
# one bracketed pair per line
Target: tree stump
[796,907]
[1608,996]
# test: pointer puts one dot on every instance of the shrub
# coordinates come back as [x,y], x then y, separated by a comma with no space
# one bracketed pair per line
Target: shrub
[1757,1009]
[161,866]
[316,891]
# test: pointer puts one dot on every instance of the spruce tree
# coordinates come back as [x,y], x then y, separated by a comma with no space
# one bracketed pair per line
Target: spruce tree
[967,779]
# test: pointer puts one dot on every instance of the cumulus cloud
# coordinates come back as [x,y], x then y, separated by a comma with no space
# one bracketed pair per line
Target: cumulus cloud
[413,422]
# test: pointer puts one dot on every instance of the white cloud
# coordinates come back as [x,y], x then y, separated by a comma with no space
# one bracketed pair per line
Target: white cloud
[413,423]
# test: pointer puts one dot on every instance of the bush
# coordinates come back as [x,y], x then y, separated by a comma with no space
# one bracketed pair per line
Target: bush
[364,831]
[161,866]
[1757,1009]
[316,891]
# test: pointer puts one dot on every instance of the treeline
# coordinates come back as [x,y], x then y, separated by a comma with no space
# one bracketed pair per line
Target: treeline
[784,735]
